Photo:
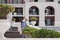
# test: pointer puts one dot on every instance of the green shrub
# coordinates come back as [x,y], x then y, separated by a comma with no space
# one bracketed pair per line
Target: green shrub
[44,33]
[5,9]
[41,33]
[29,30]
[33,18]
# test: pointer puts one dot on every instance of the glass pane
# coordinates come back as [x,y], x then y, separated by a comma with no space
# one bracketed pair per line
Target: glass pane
[19,11]
[31,12]
[37,12]
[49,0]
[48,21]
[35,0]
[2,1]
[15,1]
[5,1]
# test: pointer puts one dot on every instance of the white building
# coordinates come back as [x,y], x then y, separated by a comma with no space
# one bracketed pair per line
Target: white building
[46,11]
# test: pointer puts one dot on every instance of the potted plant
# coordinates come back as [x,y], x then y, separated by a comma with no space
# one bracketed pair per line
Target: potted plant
[13,19]
[33,20]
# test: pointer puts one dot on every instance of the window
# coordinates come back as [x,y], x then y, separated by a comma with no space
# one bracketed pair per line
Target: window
[49,10]
[35,0]
[59,1]
[49,21]
[19,11]
[34,11]
[17,1]
[49,0]
[14,1]
[3,1]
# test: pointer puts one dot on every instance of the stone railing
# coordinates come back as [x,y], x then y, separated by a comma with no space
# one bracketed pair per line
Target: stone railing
[17,24]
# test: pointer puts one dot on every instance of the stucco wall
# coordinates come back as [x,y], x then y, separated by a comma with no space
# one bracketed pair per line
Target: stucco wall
[42,7]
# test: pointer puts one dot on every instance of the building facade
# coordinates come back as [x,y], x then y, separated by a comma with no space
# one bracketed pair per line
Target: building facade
[46,11]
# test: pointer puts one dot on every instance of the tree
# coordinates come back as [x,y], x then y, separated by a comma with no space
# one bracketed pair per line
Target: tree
[5,9]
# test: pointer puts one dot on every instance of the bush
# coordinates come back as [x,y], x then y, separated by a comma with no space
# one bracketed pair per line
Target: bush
[29,30]
[5,9]
[44,33]
[41,33]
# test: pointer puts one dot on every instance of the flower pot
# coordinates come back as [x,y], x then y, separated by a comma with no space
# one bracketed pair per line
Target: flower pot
[33,23]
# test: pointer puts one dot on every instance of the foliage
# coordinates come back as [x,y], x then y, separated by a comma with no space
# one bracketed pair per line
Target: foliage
[5,9]
[29,30]
[33,18]
[13,19]
[44,33]
[41,33]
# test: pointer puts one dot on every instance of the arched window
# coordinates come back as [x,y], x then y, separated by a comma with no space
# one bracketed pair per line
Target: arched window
[49,0]
[33,11]
[59,1]
[3,1]
[49,10]
[33,0]
[49,20]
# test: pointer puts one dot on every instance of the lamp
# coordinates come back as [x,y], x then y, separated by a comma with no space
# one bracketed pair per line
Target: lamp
[15,13]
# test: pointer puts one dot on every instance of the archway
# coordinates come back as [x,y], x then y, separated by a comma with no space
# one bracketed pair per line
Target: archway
[49,0]
[34,12]
[49,10]
[49,16]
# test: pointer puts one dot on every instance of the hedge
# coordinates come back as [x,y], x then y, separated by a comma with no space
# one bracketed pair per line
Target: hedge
[41,33]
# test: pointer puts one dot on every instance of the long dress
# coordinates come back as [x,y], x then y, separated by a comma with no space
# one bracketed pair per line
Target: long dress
[23,24]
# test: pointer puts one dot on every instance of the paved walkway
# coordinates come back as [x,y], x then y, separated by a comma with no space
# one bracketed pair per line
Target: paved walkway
[53,28]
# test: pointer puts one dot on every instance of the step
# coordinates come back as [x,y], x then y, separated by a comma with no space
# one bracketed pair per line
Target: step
[15,34]
[13,29]
[12,34]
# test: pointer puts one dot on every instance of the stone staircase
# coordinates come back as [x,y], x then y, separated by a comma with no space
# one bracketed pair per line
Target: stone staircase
[13,33]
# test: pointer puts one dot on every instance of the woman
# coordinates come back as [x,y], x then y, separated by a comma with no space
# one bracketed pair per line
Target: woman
[23,23]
